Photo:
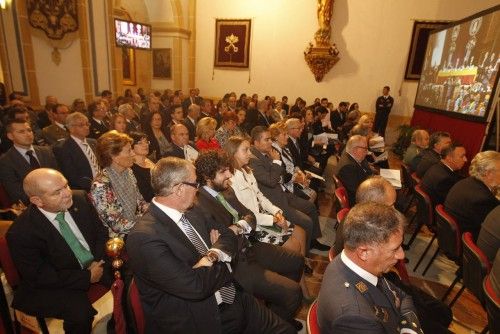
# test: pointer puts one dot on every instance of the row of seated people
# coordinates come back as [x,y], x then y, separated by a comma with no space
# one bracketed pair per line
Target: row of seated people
[119,206]
[468,199]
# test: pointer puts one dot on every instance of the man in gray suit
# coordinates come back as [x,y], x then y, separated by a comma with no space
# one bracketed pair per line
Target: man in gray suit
[21,159]
[268,171]
[354,296]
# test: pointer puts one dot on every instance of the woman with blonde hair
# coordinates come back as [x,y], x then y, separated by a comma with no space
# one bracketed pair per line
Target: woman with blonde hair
[205,132]
[294,179]
[114,191]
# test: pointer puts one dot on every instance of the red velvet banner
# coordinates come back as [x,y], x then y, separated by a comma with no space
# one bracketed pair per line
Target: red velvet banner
[470,134]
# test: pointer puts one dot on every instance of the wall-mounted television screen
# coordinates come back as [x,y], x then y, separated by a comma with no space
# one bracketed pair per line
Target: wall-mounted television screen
[460,71]
[132,34]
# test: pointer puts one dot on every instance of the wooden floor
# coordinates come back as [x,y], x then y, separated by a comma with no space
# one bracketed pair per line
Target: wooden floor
[468,314]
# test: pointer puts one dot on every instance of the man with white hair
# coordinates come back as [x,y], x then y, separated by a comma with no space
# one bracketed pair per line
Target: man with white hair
[353,168]
[471,199]
[419,142]
[76,155]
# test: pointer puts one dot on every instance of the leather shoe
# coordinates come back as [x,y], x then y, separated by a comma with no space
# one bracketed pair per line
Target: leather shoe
[319,246]
[297,325]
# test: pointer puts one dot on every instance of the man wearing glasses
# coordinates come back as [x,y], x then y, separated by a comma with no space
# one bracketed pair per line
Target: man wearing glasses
[353,168]
[76,155]
[180,262]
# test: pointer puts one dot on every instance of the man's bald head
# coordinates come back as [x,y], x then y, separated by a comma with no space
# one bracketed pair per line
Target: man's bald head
[179,135]
[376,189]
[48,189]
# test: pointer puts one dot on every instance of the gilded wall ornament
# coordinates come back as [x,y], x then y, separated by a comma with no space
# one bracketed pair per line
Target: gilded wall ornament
[322,56]
[55,17]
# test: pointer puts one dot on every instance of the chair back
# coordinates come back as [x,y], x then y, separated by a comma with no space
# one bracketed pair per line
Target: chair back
[415,178]
[341,195]
[425,209]
[342,214]
[408,181]
[312,319]
[402,272]
[7,264]
[331,254]
[492,301]
[475,266]
[449,234]
[135,306]
[337,181]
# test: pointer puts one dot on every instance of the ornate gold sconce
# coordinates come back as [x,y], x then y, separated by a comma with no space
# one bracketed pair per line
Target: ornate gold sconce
[322,56]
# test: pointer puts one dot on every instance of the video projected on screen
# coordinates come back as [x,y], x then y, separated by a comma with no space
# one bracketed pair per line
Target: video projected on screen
[460,67]
[132,34]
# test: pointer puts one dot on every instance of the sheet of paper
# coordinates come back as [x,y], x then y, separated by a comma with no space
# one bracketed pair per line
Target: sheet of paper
[393,176]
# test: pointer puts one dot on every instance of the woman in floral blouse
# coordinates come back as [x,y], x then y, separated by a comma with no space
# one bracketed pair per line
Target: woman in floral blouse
[114,191]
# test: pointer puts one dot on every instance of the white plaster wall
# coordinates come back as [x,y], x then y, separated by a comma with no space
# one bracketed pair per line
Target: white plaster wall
[159,11]
[64,80]
[373,37]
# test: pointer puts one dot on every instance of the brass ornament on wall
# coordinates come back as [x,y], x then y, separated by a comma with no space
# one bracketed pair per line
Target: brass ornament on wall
[55,17]
[322,56]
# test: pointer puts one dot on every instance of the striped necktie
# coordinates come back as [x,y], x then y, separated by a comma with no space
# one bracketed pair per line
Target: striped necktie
[93,160]
[227,292]
[33,161]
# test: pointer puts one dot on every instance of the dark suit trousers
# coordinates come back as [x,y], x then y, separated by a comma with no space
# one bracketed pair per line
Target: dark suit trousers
[73,307]
[309,209]
[246,315]
[273,273]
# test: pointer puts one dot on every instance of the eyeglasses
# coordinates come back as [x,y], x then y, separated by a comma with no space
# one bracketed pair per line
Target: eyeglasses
[195,185]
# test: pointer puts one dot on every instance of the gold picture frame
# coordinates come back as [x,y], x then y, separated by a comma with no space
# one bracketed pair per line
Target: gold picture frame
[128,67]
[162,63]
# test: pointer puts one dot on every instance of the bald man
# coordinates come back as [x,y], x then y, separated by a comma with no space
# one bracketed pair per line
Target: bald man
[57,245]
[179,136]
[374,189]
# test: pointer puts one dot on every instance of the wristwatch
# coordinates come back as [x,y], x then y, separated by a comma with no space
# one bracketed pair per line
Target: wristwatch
[212,256]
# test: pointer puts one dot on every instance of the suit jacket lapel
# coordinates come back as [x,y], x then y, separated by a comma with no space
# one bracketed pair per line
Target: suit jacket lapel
[79,219]
[216,207]
[19,161]
[383,308]
[173,229]
[52,233]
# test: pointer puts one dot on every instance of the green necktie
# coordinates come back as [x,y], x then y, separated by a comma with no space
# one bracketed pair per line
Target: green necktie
[84,256]
[228,207]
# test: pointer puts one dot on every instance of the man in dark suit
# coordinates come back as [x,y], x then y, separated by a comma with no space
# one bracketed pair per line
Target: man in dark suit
[383,107]
[192,118]
[354,296]
[57,245]
[180,147]
[439,178]
[470,200]
[22,158]
[268,170]
[338,116]
[98,124]
[263,117]
[352,168]
[191,99]
[489,235]
[181,265]
[76,155]
[431,155]
[265,270]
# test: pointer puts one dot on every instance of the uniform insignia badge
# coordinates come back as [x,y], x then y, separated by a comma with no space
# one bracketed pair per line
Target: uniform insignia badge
[346,284]
[361,286]
[381,313]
